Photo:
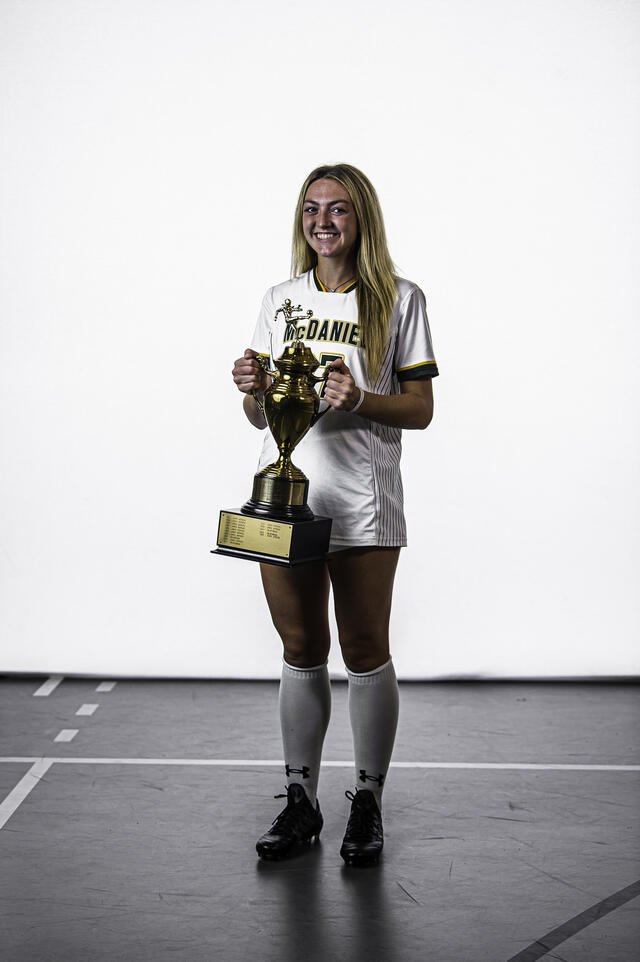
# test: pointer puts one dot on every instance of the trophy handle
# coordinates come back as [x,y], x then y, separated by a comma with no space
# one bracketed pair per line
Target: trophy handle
[321,414]
[254,395]
[272,374]
[320,380]
[262,362]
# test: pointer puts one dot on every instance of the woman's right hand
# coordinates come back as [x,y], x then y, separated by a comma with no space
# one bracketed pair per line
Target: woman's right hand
[249,375]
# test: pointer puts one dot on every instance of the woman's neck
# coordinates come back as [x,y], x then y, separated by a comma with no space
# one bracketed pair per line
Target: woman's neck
[335,273]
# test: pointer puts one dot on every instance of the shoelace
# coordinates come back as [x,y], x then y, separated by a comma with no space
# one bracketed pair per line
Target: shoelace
[287,815]
[361,822]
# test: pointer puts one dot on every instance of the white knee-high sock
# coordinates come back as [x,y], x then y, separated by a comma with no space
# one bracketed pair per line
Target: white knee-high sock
[305,709]
[373,710]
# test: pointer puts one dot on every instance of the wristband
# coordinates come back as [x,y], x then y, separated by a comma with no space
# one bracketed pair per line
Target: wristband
[360,400]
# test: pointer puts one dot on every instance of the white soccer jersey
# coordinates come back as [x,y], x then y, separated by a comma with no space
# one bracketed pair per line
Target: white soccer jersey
[353,464]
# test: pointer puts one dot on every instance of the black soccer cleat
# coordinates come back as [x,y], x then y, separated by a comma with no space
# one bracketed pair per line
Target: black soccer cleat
[364,838]
[299,822]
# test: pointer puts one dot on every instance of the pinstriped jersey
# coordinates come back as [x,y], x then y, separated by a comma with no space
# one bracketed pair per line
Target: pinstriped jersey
[353,464]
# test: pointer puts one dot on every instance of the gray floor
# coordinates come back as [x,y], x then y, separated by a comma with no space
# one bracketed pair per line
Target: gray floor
[108,858]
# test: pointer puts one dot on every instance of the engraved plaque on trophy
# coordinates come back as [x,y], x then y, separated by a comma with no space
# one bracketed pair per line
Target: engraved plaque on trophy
[276,524]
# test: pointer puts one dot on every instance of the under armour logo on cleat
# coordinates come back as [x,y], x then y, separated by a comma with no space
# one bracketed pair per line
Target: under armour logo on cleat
[371,778]
[304,771]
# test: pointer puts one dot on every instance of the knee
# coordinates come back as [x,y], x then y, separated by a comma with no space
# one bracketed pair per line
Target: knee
[360,665]
[365,652]
[303,651]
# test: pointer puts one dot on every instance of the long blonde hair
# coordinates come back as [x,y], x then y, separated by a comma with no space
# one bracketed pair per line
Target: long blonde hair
[376,276]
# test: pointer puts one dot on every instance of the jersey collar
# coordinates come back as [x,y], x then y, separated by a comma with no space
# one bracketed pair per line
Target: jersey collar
[320,286]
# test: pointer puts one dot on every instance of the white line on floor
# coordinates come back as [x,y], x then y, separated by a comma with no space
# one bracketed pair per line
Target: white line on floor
[26,784]
[87,709]
[106,686]
[520,766]
[66,735]
[48,686]
[276,763]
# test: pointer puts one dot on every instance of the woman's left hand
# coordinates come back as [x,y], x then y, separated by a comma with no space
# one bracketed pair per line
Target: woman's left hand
[341,391]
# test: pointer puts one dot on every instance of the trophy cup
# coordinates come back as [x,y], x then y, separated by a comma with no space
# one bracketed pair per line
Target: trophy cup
[276,525]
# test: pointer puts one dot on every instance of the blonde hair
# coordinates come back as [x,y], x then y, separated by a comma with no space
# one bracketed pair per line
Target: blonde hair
[376,276]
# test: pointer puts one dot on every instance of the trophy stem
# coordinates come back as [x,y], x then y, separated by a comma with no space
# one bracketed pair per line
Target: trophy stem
[283,469]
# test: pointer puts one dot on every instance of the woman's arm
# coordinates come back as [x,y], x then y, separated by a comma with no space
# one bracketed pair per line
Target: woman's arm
[253,412]
[412,408]
[248,377]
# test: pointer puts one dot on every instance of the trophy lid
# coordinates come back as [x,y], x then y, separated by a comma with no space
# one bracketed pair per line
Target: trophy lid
[297,358]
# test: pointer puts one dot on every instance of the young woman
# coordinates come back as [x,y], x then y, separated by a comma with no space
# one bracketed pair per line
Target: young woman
[370,328]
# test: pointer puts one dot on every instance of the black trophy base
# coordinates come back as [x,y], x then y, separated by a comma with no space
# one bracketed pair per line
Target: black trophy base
[273,540]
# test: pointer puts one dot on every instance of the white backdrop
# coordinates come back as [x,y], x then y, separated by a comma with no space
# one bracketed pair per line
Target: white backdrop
[151,156]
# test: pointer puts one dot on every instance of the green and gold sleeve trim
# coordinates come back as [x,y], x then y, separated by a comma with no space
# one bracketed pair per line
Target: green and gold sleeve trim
[416,371]
[320,286]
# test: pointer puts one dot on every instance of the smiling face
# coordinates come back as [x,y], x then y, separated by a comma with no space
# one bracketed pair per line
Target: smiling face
[329,221]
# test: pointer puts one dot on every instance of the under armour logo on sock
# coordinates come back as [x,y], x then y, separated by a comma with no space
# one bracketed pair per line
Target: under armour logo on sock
[304,771]
[371,778]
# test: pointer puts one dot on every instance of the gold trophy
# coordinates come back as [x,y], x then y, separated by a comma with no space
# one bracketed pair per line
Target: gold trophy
[276,524]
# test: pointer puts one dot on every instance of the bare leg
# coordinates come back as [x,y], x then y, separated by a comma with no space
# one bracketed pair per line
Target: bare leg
[362,580]
[298,601]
